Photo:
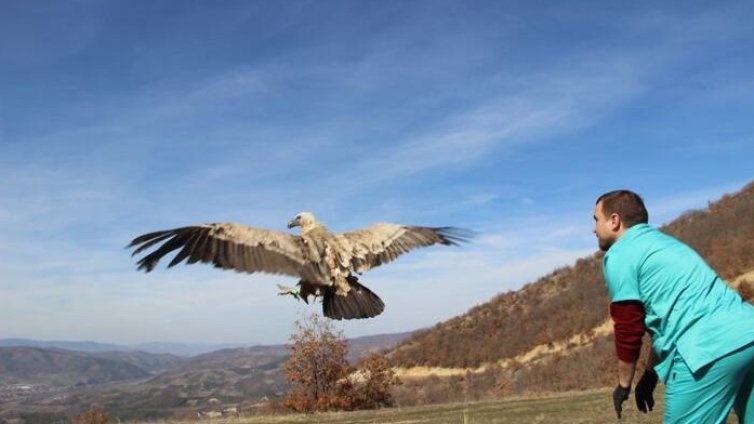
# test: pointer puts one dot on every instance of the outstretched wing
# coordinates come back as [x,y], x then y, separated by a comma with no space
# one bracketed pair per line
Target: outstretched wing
[227,246]
[382,243]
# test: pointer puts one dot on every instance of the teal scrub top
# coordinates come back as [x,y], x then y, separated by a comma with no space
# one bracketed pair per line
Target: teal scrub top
[689,309]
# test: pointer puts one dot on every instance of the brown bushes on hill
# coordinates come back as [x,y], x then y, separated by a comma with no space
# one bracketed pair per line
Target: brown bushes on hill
[374,388]
[569,301]
[723,233]
[323,380]
[92,417]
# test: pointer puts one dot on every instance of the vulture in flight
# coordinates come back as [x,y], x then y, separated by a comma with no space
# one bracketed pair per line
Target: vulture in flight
[326,264]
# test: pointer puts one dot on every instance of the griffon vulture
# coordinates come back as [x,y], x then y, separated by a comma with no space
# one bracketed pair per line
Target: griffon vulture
[326,263]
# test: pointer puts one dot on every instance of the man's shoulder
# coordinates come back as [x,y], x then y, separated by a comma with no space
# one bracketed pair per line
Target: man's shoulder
[653,239]
[634,239]
[634,247]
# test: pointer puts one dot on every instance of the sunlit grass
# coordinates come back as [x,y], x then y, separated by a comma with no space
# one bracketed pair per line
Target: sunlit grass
[594,406]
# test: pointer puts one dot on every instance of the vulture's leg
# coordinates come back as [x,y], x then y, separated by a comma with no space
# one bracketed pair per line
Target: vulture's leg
[307,289]
[289,291]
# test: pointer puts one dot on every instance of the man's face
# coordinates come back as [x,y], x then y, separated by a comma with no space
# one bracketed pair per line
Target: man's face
[605,228]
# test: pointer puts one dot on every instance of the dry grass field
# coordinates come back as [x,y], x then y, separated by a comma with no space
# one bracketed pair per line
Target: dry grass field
[578,407]
[588,407]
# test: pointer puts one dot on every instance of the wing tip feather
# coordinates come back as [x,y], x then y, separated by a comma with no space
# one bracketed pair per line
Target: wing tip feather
[454,236]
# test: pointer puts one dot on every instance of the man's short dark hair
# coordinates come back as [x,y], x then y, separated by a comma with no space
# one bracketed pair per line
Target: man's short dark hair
[627,204]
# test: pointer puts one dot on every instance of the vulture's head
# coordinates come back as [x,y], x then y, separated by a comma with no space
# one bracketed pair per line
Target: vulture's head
[305,220]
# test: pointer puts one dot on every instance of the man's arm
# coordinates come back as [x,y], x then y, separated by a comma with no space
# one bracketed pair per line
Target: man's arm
[626,371]
[628,321]
[652,360]
[628,326]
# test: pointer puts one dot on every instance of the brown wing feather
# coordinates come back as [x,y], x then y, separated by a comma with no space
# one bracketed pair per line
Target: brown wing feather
[383,243]
[225,245]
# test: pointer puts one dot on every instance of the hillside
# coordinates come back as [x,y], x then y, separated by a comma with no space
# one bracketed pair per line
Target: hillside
[545,336]
[153,363]
[59,367]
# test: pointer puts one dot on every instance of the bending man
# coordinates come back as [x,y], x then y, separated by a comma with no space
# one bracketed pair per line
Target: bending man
[702,331]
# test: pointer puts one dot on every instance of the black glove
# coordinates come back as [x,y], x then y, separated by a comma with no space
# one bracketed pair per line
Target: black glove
[644,389]
[620,394]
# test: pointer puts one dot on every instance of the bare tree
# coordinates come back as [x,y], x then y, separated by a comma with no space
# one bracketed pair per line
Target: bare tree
[321,377]
[318,368]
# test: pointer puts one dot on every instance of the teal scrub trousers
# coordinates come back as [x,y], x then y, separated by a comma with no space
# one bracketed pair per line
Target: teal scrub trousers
[707,396]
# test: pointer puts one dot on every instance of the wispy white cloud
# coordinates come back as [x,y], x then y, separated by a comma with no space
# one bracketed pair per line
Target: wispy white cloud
[545,105]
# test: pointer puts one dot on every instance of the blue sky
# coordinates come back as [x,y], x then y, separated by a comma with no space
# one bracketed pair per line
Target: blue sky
[508,118]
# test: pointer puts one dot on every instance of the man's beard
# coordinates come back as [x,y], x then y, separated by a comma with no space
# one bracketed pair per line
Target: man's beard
[604,244]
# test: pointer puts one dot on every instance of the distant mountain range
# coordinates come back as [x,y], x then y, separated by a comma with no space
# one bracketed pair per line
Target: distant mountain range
[42,382]
[33,365]
[180,349]
[357,345]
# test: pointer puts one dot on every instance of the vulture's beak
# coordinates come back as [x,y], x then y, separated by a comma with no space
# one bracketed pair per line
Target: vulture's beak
[293,223]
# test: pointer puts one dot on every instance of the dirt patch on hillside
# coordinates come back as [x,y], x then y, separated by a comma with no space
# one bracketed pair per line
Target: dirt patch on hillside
[534,354]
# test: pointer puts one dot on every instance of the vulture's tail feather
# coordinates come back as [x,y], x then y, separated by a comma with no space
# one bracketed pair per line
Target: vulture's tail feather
[360,302]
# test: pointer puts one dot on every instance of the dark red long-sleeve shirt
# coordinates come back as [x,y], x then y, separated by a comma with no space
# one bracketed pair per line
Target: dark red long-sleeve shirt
[628,322]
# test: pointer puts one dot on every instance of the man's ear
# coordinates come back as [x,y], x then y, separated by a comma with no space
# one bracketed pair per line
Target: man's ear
[615,221]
